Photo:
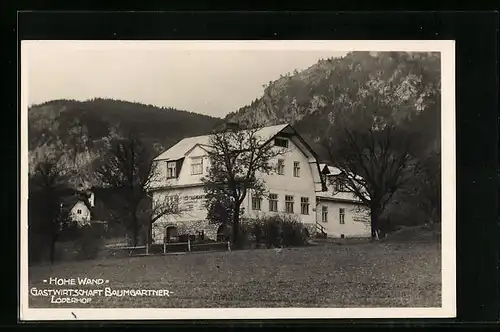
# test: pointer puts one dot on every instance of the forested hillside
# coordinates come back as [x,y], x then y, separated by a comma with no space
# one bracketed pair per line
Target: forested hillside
[80,131]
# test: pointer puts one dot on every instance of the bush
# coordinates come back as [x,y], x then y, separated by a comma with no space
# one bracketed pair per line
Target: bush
[292,234]
[69,232]
[278,230]
[89,242]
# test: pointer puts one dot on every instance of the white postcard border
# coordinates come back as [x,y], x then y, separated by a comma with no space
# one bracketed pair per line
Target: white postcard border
[448,309]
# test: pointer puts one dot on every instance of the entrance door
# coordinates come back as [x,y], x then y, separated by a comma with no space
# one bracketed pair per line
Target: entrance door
[171,234]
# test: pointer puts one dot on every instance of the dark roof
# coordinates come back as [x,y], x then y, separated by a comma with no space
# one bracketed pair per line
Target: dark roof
[69,201]
[100,211]
[106,201]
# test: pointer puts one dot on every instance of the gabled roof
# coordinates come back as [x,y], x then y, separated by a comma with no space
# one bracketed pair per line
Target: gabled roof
[330,170]
[68,202]
[179,150]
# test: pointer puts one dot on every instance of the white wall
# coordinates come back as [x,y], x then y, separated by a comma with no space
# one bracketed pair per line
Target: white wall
[185,177]
[191,203]
[288,184]
[356,221]
[332,193]
[191,194]
[83,217]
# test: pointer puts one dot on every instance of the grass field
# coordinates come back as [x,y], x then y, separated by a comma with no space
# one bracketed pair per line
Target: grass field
[325,275]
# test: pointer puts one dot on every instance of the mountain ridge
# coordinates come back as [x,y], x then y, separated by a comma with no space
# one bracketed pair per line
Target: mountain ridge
[82,129]
[310,100]
[409,83]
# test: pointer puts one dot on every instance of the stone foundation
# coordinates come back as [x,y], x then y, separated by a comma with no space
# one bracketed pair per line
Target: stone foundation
[191,227]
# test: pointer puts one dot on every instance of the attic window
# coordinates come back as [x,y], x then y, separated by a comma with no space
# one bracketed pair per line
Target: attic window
[79,211]
[171,169]
[340,185]
[196,166]
[282,142]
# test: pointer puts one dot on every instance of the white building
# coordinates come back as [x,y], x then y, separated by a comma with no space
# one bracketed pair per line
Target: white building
[79,208]
[339,212]
[292,189]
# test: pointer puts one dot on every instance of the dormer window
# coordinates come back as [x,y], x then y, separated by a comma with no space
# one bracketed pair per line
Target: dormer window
[171,169]
[282,142]
[196,165]
[340,185]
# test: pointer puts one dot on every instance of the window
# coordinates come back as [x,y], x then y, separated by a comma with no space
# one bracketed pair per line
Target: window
[304,205]
[171,170]
[281,142]
[196,165]
[273,202]
[172,203]
[79,211]
[256,203]
[341,216]
[288,204]
[281,166]
[296,169]
[340,185]
[324,214]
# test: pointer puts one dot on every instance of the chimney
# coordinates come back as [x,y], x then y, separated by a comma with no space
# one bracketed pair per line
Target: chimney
[91,199]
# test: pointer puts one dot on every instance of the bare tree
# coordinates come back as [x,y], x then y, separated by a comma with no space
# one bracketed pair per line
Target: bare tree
[47,184]
[128,168]
[160,207]
[237,159]
[376,162]
[429,186]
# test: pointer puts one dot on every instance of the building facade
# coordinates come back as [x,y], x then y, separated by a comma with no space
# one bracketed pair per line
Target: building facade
[291,188]
[81,209]
[80,214]
[339,213]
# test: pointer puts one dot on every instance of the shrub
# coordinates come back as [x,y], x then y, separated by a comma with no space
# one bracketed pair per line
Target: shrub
[292,234]
[272,231]
[89,242]
[278,230]
[69,232]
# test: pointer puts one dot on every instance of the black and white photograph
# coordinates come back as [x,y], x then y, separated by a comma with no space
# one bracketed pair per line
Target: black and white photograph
[257,179]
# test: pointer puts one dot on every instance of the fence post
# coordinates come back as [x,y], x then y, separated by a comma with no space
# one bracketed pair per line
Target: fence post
[164,247]
[229,245]
[189,244]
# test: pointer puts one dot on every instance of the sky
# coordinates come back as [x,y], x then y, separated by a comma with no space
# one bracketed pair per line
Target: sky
[206,78]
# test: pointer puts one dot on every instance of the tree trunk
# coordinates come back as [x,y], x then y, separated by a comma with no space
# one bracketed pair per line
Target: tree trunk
[150,233]
[236,227]
[148,237]
[53,240]
[135,230]
[374,223]
[52,251]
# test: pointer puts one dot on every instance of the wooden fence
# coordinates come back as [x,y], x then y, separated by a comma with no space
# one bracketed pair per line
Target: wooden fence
[190,246]
[165,248]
